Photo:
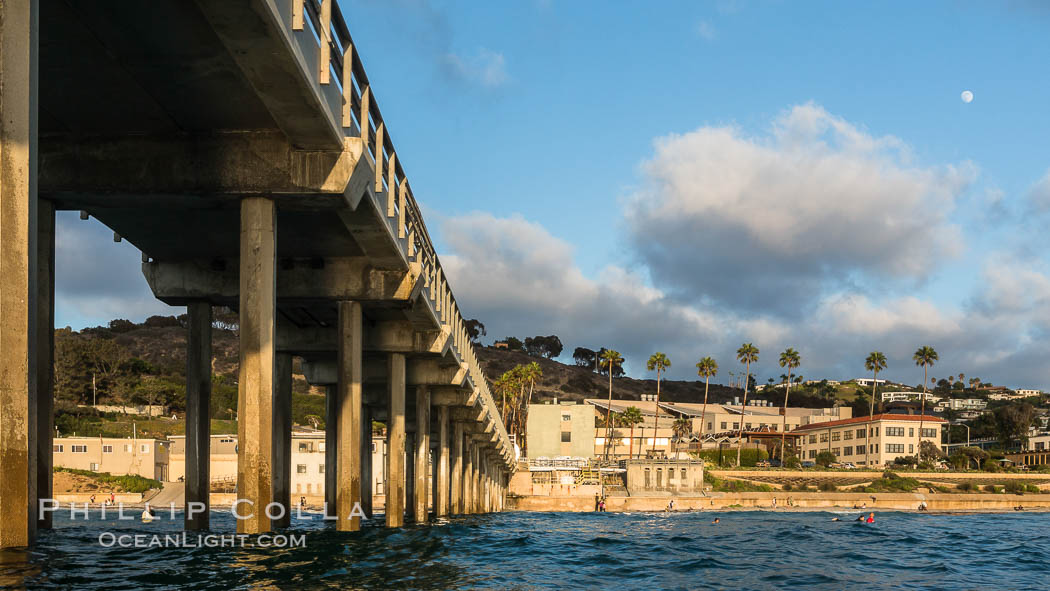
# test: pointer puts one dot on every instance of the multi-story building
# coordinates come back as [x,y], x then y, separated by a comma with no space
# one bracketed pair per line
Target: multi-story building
[144,457]
[717,420]
[560,430]
[1023,393]
[876,442]
[307,460]
[970,404]
[906,396]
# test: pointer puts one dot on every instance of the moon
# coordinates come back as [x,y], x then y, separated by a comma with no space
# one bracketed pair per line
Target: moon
[967,96]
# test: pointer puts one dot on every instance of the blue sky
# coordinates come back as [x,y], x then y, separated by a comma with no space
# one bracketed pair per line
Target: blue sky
[617,173]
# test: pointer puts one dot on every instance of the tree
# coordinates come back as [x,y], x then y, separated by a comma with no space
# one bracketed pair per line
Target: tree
[926,357]
[528,375]
[975,383]
[603,369]
[746,354]
[658,362]
[789,359]
[875,363]
[583,357]
[612,359]
[120,325]
[825,458]
[631,417]
[540,346]
[475,329]
[1012,423]
[514,344]
[968,454]
[681,428]
[706,368]
[930,451]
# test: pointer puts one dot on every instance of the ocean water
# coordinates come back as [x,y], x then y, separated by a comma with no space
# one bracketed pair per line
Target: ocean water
[747,550]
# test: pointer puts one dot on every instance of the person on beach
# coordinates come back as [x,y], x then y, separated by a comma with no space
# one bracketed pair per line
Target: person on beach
[774,502]
[597,502]
[92,499]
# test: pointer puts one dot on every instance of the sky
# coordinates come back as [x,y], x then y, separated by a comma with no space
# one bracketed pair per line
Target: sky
[686,177]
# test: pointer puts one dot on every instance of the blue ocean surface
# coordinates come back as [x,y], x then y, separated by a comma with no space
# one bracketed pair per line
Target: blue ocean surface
[747,550]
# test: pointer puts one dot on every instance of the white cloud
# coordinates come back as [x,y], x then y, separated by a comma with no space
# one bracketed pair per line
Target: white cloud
[814,204]
[706,31]
[484,67]
[1039,194]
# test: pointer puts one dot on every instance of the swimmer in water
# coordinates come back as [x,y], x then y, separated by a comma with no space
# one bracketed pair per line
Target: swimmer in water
[871,518]
[716,520]
[835,519]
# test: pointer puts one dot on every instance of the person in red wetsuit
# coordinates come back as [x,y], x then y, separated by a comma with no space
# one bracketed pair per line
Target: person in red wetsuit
[870,519]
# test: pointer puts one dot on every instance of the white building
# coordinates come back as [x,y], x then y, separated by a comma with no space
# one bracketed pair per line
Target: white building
[970,404]
[1028,393]
[906,396]
[869,381]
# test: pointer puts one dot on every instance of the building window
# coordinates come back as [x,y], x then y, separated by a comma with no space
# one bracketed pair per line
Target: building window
[320,446]
[860,433]
[566,417]
[78,449]
[143,448]
[929,432]
[300,468]
[835,452]
[1039,446]
[848,450]
[647,478]
[812,453]
[659,478]
[747,426]
[107,449]
[911,432]
[127,448]
[823,437]
[320,469]
[94,467]
[860,450]
[894,431]
[304,447]
[911,448]
[724,425]
[56,449]
[812,438]
[894,448]
[736,425]
[847,435]
[373,447]
[835,436]
[566,437]
[711,426]
[226,440]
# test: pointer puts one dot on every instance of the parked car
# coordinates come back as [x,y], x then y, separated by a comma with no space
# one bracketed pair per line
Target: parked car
[849,466]
[808,464]
[774,463]
[762,464]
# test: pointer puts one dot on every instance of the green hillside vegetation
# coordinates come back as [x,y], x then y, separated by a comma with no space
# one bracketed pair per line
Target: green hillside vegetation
[127,483]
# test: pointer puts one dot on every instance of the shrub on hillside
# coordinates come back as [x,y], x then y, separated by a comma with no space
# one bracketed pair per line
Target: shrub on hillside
[128,482]
[1014,487]
[966,487]
[991,488]
[828,487]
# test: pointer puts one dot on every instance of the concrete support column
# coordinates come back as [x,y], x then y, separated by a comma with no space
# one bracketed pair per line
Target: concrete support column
[45,355]
[349,416]
[441,465]
[255,384]
[366,454]
[282,439]
[469,467]
[198,415]
[410,475]
[456,476]
[18,227]
[487,485]
[395,429]
[422,451]
[475,492]
[331,449]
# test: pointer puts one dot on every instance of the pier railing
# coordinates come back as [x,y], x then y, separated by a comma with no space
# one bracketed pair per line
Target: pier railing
[340,68]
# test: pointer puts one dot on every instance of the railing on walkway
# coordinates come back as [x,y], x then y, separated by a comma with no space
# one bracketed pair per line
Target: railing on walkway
[360,117]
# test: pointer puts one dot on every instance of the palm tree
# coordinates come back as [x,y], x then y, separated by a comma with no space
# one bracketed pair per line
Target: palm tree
[706,368]
[926,357]
[789,359]
[875,363]
[746,354]
[529,374]
[612,359]
[680,429]
[659,362]
[631,417]
[732,380]
[974,383]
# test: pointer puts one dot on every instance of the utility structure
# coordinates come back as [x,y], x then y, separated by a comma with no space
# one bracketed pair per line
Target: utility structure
[239,145]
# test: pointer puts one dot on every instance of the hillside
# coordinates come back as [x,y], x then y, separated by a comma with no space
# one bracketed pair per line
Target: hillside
[570,382]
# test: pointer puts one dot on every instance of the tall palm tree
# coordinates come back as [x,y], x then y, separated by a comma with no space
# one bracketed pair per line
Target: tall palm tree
[680,429]
[926,357]
[612,359]
[706,368]
[875,363]
[658,362]
[746,354]
[789,359]
[631,417]
[974,383]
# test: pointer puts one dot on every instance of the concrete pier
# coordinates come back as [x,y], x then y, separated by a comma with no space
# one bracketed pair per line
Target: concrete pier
[198,413]
[442,466]
[469,468]
[422,453]
[18,199]
[367,488]
[45,355]
[282,439]
[331,449]
[395,429]
[458,467]
[348,487]
[255,384]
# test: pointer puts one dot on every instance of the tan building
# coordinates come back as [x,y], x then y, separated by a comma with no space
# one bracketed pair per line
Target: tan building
[665,475]
[559,430]
[143,457]
[708,426]
[885,438]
